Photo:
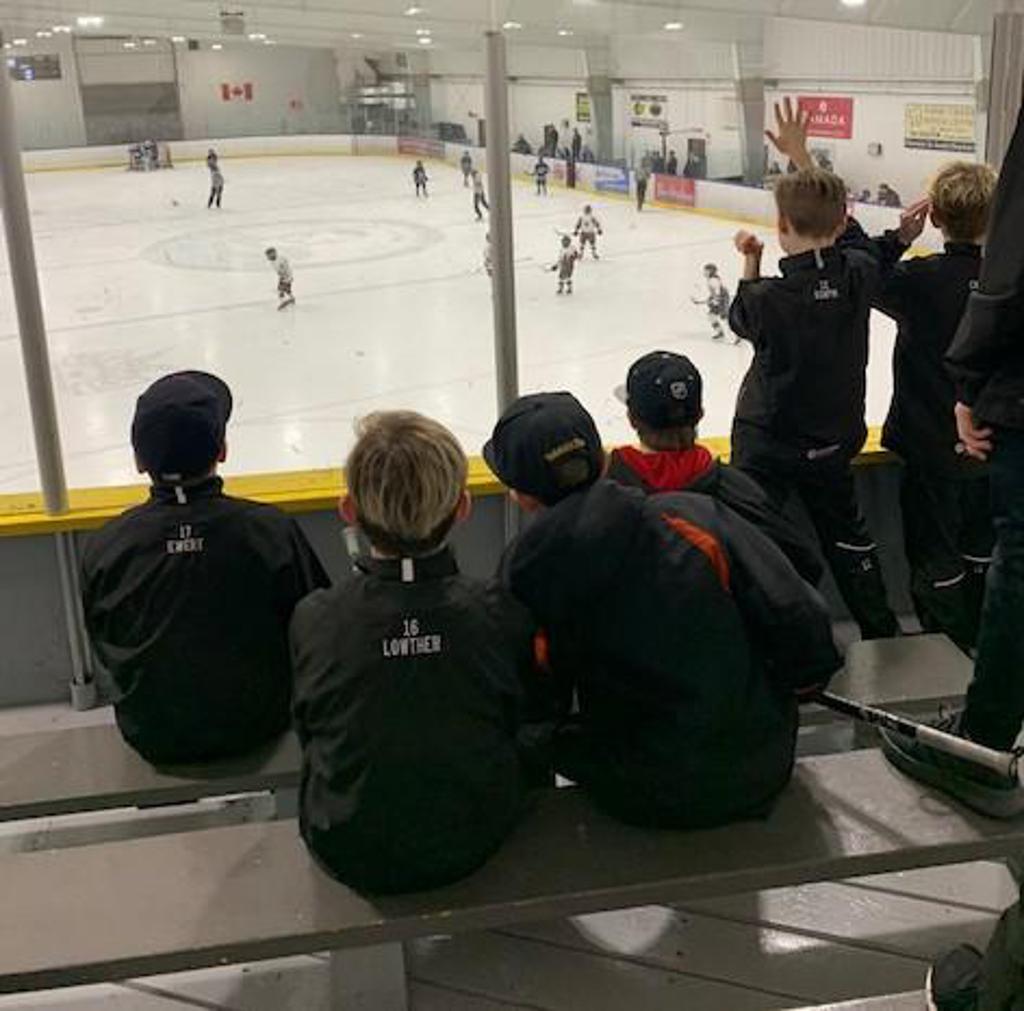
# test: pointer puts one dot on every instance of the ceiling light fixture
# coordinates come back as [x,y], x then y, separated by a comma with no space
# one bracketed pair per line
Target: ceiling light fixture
[853,3]
[512,26]
[357,35]
[257,36]
[673,26]
[90,21]
[565,32]
[422,31]
[216,47]
[411,12]
[149,42]
[62,29]
[426,41]
[44,34]
[129,44]
[269,42]
[178,39]
[19,42]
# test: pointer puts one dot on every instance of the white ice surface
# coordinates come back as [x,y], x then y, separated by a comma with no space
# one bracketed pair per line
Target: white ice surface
[393,309]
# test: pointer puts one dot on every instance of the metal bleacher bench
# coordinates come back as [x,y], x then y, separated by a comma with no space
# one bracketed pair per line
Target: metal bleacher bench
[90,768]
[101,913]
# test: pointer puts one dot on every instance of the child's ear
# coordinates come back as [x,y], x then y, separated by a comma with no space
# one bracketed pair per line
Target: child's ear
[783,225]
[465,507]
[347,510]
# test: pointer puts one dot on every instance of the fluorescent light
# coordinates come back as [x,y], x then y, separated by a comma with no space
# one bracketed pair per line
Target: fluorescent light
[269,42]
[90,21]
[426,41]
[411,12]
[62,29]
[357,35]
[216,47]
[564,32]
[44,34]
[673,26]
[422,31]
[19,42]
[512,26]
[853,3]
[129,45]
[178,39]
[257,36]
[149,42]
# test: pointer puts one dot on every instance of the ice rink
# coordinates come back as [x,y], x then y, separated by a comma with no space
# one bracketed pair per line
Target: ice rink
[394,309]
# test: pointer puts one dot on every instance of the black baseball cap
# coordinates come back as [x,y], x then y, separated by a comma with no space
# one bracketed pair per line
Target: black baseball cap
[546,445]
[663,390]
[179,425]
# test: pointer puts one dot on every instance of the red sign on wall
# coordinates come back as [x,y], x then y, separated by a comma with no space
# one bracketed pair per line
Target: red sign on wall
[675,190]
[236,92]
[830,116]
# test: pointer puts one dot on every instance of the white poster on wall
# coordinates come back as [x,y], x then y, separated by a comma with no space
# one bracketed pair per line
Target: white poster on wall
[649,111]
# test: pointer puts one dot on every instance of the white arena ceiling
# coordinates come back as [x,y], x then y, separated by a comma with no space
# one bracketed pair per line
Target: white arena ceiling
[459,23]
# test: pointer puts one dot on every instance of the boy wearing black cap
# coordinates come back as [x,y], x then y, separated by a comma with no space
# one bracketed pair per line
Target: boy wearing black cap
[685,633]
[187,598]
[800,413]
[663,395]
[410,679]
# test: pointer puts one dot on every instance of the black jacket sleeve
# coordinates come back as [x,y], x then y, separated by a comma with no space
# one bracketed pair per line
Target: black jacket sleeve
[301,572]
[745,312]
[787,620]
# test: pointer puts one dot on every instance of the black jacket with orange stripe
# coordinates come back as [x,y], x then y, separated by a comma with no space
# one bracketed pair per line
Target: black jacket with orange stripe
[688,638]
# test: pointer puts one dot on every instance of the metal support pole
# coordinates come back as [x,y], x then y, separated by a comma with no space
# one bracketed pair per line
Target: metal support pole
[1006,83]
[83,683]
[499,181]
[25,281]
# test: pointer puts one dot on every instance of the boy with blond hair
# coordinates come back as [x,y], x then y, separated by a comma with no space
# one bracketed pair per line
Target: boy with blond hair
[947,525]
[800,414]
[409,679]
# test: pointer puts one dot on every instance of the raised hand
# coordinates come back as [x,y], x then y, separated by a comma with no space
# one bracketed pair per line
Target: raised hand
[748,244]
[913,220]
[791,133]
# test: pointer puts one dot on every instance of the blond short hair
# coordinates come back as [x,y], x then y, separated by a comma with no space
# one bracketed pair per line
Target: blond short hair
[406,475]
[813,201]
[962,195]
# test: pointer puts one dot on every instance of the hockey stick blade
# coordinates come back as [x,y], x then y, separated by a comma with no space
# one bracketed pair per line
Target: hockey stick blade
[1002,763]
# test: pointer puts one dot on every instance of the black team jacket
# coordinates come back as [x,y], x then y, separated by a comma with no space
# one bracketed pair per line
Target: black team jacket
[411,685]
[927,297]
[987,356]
[695,470]
[806,387]
[187,600]
[688,638]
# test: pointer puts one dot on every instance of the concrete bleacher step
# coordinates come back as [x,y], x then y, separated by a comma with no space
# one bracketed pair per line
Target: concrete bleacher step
[895,1002]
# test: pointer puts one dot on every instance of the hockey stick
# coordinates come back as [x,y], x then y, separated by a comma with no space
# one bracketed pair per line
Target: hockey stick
[1003,763]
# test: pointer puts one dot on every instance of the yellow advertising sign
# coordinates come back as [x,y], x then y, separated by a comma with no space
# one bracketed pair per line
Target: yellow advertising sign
[940,127]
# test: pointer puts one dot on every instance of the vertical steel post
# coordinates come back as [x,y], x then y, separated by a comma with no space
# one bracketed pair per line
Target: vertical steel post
[499,180]
[31,326]
[1006,82]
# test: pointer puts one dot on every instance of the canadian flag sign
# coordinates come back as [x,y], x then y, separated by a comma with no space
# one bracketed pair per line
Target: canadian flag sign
[236,92]
[829,116]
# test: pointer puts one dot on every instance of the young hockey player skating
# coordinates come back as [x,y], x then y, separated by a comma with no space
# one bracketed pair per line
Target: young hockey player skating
[588,228]
[566,266]
[479,196]
[216,187]
[466,163]
[419,177]
[284,278]
[716,301]
[540,173]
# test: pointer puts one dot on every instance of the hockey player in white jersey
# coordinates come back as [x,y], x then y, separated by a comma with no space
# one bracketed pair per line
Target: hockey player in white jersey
[566,265]
[285,278]
[716,300]
[588,228]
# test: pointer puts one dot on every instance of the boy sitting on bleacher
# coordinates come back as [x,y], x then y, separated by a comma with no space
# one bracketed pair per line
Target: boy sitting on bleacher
[663,395]
[947,520]
[409,679]
[684,632]
[187,598]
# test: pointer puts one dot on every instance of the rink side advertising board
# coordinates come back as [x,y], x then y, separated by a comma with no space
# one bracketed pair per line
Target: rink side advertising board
[421,147]
[34,67]
[830,116]
[609,179]
[649,111]
[940,127]
[675,190]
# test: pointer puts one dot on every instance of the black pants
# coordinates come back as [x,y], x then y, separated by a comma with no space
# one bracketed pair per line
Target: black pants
[995,698]
[542,187]
[641,194]
[825,486]
[216,193]
[479,200]
[1002,974]
[421,188]
[948,535]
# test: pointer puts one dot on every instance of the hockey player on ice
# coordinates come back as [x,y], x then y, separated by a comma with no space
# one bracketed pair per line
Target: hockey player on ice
[216,187]
[285,278]
[588,228]
[479,196]
[466,164]
[419,177]
[566,266]
[717,302]
[540,173]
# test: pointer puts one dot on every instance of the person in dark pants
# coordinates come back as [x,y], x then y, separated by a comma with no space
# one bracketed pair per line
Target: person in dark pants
[419,178]
[577,144]
[947,524]
[479,196]
[800,413]
[987,365]
[672,166]
[216,188]
[643,175]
